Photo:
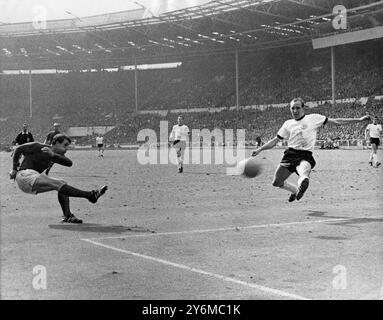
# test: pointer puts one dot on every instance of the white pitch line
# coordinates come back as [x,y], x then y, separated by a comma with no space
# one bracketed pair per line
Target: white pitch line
[223,229]
[202,272]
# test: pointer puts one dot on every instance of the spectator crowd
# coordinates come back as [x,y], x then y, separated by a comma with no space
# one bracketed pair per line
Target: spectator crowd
[109,98]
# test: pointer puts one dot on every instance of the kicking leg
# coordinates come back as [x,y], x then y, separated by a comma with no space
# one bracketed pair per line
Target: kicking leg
[92,196]
[45,184]
[74,192]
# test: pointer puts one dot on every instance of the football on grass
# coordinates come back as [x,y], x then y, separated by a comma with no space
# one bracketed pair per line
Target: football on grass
[249,168]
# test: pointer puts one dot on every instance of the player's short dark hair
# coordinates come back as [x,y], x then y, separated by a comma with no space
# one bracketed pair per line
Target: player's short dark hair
[60,137]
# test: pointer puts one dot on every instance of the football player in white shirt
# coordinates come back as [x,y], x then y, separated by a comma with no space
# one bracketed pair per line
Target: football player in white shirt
[373,131]
[100,145]
[179,136]
[300,132]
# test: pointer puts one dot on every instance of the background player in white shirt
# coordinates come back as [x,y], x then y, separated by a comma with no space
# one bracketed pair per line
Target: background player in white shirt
[100,145]
[300,132]
[179,136]
[372,133]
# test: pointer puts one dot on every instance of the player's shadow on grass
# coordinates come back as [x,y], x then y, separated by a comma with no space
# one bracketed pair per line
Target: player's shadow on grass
[317,213]
[207,173]
[92,227]
[332,238]
[349,222]
[358,221]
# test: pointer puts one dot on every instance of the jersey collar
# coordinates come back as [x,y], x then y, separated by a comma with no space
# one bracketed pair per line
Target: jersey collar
[300,118]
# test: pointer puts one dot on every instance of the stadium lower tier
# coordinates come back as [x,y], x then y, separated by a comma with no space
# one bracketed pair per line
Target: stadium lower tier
[258,125]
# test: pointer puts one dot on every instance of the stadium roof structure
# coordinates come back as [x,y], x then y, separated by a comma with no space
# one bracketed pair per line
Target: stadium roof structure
[216,27]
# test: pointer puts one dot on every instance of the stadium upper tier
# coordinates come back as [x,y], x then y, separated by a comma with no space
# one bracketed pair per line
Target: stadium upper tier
[108,98]
[215,27]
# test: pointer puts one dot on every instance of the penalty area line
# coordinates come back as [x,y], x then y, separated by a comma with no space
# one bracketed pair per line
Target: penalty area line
[201,272]
[237,228]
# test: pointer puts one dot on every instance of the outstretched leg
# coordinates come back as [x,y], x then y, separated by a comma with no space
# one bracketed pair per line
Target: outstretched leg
[92,196]
[74,192]
[44,183]
[303,170]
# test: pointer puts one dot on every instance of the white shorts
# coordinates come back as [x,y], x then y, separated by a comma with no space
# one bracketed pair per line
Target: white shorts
[26,179]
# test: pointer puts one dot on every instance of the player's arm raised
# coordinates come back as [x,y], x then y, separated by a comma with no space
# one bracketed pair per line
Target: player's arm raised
[269,145]
[366,132]
[17,140]
[16,156]
[343,121]
[172,135]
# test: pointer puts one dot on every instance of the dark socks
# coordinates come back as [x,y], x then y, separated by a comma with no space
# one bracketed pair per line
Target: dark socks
[64,203]
[73,192]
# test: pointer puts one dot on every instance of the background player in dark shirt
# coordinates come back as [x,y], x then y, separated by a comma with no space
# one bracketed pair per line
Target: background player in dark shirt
[24,136]
[37,158]
[49,139]
[51,134]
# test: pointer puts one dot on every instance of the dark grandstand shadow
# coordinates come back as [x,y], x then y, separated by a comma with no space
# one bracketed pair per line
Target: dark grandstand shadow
[92,227]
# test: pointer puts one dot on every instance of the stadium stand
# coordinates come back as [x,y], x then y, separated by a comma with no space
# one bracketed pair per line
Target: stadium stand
[107,98]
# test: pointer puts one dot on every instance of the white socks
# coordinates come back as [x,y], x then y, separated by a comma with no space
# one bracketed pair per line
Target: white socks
[303,170]
[290,187]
